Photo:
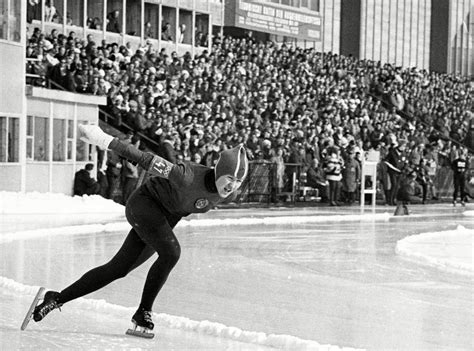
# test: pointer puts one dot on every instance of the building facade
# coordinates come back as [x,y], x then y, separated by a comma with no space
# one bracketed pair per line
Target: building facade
[39,149]
[434,35]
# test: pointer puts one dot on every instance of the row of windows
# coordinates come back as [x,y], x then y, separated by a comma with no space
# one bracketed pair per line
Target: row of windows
[10,20]
[312,5]
[71,13]
[39,140]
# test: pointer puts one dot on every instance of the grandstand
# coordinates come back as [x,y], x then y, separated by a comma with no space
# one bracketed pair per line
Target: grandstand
[300,76]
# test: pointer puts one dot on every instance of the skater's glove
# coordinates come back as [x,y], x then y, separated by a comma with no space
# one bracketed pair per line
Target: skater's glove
[94,135]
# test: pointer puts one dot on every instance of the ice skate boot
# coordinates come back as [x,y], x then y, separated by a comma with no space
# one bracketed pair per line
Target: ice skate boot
[142,324]
[50,302]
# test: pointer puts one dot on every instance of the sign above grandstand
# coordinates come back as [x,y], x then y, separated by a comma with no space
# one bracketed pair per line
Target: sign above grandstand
[276,19]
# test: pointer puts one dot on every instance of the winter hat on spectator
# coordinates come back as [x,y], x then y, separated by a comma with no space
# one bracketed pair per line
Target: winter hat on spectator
[232,162]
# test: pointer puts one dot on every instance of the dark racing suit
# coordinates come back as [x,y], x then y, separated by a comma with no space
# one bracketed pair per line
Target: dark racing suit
[153,210]
[459,166]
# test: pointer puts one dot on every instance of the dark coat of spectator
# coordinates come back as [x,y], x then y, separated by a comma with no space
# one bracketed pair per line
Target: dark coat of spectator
[84,184]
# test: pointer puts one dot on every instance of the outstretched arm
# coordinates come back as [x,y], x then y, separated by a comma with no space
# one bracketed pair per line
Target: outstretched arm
[154,164]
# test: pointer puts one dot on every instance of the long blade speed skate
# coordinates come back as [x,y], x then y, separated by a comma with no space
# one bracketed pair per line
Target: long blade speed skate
[141,332]
[29,314]
[142,324]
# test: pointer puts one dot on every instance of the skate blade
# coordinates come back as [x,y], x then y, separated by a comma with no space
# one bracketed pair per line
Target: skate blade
[29,314]
[140,334]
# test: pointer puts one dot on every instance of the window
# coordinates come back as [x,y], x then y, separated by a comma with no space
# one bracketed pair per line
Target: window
[70,140]
[59,140]
[75,12]
[41,139]
[10,20]
[37,138]
[14,22]
[82,148]
[9,139]
[29,138]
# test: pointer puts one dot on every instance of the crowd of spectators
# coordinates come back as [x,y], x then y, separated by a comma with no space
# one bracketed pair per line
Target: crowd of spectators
[286,104]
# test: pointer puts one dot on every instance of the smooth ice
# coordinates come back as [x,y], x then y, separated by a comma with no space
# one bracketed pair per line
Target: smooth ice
[334,282]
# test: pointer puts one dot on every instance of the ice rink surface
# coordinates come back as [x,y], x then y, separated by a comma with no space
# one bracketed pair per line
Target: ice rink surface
[333,282]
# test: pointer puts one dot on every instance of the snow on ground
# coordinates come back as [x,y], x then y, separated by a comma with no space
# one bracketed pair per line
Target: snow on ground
[449,250]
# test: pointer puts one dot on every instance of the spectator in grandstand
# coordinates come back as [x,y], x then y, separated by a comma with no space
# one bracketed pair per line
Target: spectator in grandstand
[316,178]
[351,174]
[278,173]
[113,171]
[211,156]
[166,32]
[167,148]
[84,184]
[50,13]
[422,178]
[113,24]
[181,31]
[148,31]
[63,75]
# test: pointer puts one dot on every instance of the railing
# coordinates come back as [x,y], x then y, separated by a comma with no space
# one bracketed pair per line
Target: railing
[261,183]
[103,114]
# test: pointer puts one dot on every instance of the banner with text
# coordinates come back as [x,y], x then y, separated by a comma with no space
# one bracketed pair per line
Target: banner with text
[276,19]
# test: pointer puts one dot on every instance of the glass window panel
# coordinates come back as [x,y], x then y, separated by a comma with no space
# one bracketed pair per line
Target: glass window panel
[95,11]
[82,153]
[168,29]
[59,140]
[133,17]
[41,144]
[13,139]
[29,126]
[29,148]
[33,10]
[70,129]
[75,12]
[3,139]
[54,11]
[151,21]
[114,16]
[69,150]
[15,21]
[3,19]
[185,26]
[202,30]
[314,5]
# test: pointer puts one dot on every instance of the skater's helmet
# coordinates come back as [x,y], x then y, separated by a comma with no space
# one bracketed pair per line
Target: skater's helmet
[231,170]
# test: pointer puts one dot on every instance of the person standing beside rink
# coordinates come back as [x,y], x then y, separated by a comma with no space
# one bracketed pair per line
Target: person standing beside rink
[173,191]
[460,165]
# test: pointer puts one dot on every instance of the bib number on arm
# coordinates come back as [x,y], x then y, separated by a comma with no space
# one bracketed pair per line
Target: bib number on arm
[161,167]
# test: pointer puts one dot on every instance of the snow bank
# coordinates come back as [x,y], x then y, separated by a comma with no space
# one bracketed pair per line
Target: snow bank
[452,250]
[285,342]
[51,203]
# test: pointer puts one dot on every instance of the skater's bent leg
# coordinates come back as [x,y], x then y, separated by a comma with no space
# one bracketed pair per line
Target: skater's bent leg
[169,251]
[132,253]
[154,226]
